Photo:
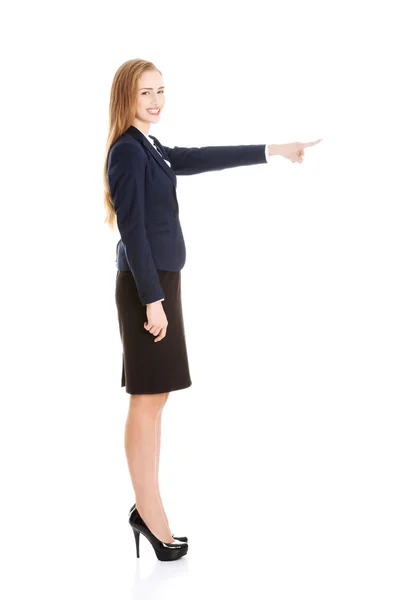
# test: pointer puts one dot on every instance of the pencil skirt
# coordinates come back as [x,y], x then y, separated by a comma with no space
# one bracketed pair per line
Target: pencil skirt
[150,367]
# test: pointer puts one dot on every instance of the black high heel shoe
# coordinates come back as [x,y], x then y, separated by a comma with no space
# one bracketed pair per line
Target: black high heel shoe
[163,550]
[181,539]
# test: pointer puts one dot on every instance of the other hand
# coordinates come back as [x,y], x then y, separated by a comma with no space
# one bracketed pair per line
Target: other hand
[156,320]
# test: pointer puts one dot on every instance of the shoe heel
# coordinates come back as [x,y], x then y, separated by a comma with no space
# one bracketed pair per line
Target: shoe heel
[137,534]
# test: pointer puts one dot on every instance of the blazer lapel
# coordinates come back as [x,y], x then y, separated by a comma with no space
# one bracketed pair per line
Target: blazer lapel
[135,132]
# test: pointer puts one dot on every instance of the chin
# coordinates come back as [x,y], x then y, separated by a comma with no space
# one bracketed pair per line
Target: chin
[152,117]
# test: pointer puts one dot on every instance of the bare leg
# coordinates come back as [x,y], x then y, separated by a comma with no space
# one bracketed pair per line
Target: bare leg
[158,439]
[141,452]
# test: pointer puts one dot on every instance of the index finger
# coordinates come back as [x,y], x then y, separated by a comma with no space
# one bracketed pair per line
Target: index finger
[308,144]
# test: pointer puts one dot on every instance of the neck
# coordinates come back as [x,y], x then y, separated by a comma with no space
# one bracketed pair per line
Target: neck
[143,126]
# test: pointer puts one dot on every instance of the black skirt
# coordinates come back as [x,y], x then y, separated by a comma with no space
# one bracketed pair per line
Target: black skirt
[150,367]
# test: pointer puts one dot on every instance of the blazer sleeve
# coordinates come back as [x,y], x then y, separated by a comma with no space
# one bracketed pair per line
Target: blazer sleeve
[190,161]
[126,178]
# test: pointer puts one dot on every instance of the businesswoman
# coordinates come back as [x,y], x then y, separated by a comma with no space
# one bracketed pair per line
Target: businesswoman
[140,180]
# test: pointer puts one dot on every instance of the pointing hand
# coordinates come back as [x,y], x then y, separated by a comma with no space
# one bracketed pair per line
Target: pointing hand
[294,151]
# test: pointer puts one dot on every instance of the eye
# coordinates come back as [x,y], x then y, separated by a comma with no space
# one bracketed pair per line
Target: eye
[160,92]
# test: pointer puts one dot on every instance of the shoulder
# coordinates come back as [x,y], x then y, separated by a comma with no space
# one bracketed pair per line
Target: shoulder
[126,148]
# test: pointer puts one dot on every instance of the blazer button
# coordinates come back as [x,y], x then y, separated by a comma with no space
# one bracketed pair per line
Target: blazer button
[175,213]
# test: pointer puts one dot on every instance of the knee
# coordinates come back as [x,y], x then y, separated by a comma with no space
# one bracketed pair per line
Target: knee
[148,403]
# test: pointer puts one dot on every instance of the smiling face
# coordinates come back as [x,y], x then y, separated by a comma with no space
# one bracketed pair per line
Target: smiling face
[150,96]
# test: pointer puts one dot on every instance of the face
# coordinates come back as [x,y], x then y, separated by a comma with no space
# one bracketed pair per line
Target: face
[150,98]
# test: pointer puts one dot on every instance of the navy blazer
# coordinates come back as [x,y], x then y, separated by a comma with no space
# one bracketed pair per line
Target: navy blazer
[143,192]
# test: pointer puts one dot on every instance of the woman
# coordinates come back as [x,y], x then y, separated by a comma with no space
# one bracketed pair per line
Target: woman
[140,198]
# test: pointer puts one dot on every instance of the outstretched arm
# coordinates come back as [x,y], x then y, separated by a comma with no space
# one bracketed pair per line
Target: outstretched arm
[189,161]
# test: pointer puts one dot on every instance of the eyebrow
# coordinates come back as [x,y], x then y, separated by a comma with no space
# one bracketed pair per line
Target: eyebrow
[161,87]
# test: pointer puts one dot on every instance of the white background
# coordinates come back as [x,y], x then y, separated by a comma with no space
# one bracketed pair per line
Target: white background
[281,462]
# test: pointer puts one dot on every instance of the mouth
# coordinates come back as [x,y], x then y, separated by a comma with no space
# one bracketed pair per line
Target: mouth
[154,111]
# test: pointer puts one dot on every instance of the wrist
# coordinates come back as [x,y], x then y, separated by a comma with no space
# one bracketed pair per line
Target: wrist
[273,150]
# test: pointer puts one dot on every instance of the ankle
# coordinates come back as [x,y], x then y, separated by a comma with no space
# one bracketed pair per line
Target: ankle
[162,508]
[156,523]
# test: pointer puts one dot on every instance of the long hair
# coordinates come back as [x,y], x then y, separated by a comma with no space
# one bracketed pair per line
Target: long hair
[122,110]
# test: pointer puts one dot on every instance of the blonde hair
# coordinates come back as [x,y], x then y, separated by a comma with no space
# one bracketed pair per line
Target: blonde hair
[122,110]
